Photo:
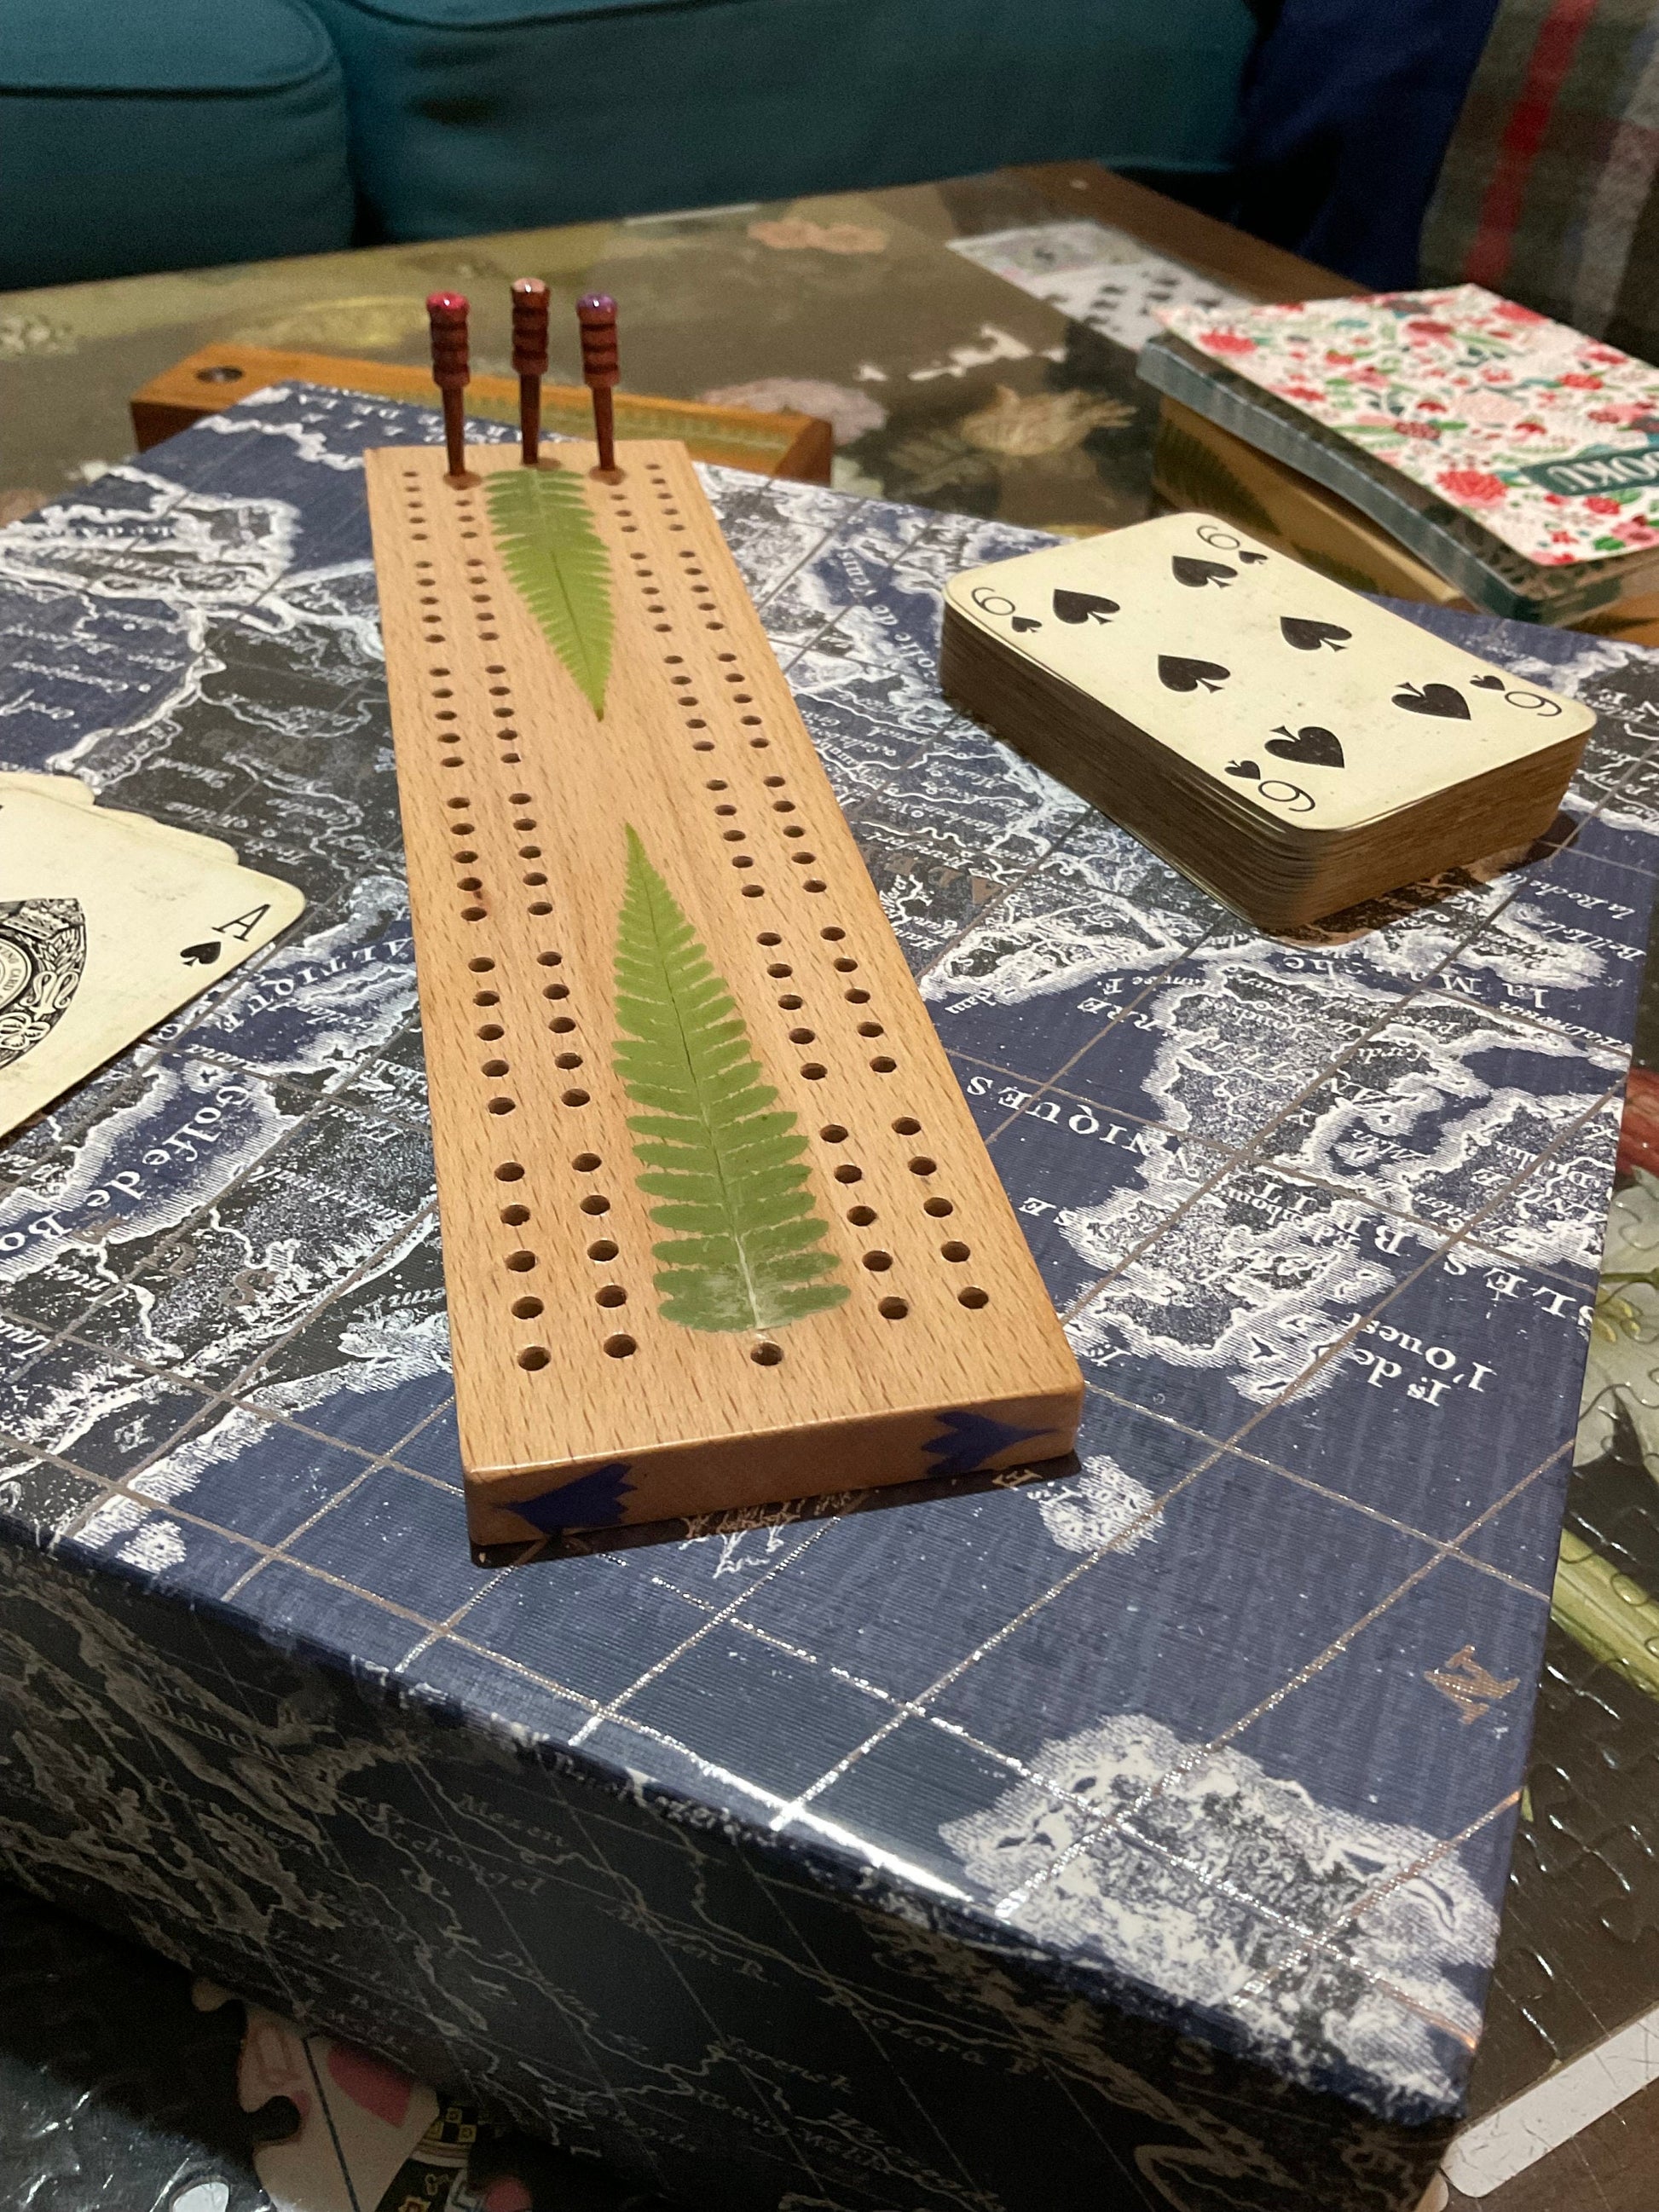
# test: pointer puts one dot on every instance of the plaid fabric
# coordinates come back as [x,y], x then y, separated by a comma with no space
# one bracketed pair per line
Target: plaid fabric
[1550,189]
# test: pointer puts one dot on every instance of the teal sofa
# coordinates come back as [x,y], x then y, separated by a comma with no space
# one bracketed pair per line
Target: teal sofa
[166,133]
[143,134]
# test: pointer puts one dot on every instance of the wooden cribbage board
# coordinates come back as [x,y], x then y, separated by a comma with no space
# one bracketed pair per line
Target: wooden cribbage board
[516,802]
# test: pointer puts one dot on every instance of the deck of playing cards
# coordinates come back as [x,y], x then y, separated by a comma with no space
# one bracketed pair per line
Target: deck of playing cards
[109,923]
[1292,747]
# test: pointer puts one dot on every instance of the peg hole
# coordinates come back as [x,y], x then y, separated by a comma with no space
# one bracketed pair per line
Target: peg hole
[514,1216]
[534,1356]
[595,1202]
[767,1355]
[892,1309]
[520,1262]
[955,1250]
[620,1347]
[973,1296]
[938,1208]
[602,1249]
[861,1216]
[612,1294]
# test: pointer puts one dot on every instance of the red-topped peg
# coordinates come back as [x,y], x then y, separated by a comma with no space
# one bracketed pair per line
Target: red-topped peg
[596,313]
[530,361]
[446,312]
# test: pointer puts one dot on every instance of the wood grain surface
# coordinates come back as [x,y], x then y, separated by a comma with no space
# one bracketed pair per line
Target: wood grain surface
[517,800]
[779,444]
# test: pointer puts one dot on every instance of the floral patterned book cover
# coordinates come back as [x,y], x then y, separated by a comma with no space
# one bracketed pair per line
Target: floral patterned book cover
[1548,439]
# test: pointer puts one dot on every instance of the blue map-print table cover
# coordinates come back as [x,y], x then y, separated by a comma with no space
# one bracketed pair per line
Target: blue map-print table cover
[1134,1834]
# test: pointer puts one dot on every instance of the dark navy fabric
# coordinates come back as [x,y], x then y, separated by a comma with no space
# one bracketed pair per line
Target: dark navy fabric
[1347,111]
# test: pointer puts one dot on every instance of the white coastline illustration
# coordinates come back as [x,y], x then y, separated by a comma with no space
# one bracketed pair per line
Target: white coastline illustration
[1335,1941]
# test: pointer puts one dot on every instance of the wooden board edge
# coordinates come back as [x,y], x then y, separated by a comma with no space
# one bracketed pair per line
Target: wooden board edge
[778,443]
[1169,226]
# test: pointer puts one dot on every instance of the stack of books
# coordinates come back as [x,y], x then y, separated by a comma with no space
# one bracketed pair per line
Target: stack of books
[1446,446]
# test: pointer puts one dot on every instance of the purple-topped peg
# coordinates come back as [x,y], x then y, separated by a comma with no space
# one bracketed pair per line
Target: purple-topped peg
[530,361]
[446,313]
[596,314]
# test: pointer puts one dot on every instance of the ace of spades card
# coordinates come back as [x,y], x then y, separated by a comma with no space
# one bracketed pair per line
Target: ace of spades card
[1283,739]
[108,923]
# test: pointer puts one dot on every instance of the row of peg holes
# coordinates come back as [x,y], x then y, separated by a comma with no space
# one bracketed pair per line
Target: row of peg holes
[935,1205]
[515,1214]
[527,1306]
[725,809]
[877,1262]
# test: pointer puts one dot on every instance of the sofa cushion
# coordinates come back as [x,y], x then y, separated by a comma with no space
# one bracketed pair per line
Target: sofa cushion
[476,115]
[146,134]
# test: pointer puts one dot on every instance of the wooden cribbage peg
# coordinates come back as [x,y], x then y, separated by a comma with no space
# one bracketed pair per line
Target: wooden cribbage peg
[530,361]
[596,313]
[446,314]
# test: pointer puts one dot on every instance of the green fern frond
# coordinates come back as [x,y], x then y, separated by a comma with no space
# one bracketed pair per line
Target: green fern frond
[557,560]
[723,1161]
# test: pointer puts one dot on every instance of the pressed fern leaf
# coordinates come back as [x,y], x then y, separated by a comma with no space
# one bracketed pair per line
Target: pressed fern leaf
[724,1162]
[558,562]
